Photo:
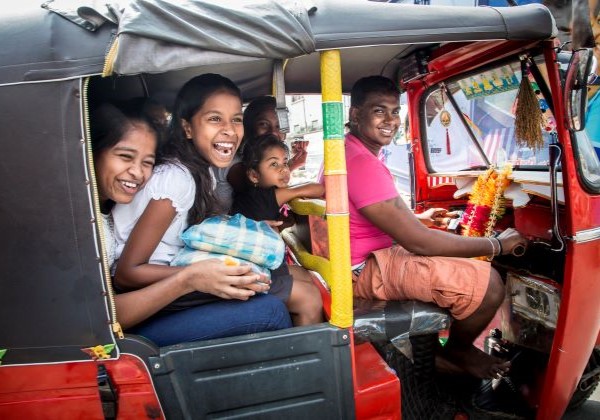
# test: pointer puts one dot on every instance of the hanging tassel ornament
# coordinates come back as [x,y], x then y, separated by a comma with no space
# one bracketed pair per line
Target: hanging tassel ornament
[528,115]
[448,151]
[445,120]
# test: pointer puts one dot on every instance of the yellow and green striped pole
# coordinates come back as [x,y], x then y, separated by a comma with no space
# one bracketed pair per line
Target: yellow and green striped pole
[336,190]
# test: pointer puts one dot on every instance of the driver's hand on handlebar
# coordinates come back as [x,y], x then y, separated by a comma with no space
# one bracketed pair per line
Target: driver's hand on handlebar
[512,242]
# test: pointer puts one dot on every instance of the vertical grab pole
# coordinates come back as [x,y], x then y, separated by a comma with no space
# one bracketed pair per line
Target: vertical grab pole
[336,189]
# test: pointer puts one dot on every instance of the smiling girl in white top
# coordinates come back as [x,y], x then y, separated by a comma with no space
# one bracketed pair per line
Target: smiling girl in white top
[124,139]
[206,130]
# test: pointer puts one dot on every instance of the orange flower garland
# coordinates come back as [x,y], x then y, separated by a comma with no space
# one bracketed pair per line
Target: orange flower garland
[486,202]
[499,203]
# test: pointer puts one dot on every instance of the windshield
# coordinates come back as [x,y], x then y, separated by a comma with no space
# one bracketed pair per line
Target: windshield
[486,118]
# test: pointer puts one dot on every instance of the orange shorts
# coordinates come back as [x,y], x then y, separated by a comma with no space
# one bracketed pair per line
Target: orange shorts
[456,284]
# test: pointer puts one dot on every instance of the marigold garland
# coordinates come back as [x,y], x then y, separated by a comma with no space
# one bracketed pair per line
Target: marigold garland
[486,202]
[475,213]
[498,207]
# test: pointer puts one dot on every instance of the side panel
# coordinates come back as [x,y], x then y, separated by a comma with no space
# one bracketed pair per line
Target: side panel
[377,391]
[294,374]
[579,317]
[51,292]
[70,390]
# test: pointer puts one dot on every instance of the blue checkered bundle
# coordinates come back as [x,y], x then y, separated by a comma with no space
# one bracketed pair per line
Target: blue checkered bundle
[238,237]
[189,256]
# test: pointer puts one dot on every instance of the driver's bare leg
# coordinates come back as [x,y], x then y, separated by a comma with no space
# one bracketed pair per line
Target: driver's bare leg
[459,349]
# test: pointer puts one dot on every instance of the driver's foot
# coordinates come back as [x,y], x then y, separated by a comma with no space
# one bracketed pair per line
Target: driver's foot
[446,367]
[472,361]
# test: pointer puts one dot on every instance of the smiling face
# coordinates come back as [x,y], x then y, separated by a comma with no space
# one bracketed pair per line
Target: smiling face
[268,123]
[376,121]
[273,169]
[595,21]
[216,128]
[124,168]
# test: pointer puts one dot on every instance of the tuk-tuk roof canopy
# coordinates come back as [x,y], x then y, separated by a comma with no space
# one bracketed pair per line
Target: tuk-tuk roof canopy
[239,38]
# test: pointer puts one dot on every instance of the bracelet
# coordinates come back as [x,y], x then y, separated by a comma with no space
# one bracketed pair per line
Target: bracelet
[500,250]
[493,246]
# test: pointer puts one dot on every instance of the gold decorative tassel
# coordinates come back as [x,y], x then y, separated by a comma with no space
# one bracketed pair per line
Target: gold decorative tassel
[528,115]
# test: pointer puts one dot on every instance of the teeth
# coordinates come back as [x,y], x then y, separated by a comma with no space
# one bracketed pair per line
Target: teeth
[129,184]
[224,148]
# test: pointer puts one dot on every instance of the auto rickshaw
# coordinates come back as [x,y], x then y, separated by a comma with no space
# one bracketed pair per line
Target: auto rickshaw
[63,353]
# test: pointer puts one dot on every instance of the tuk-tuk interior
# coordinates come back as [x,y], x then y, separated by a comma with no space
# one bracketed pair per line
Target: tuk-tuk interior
[342,374]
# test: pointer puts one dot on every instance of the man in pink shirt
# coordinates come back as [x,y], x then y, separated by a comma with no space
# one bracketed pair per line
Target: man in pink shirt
[394,254]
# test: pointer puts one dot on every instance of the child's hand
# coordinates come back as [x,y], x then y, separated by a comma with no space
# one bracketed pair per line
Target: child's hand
[287,221]
[299,154]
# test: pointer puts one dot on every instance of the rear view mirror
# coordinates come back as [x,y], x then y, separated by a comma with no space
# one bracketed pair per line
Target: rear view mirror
[576,80]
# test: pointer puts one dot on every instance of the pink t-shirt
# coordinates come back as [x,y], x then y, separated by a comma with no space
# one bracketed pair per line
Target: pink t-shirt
[369,182]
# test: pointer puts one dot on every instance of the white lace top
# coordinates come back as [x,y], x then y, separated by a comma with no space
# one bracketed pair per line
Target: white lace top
[169,181]
[109,237]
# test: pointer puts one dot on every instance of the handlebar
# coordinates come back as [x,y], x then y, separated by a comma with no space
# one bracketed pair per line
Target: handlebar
[518,251]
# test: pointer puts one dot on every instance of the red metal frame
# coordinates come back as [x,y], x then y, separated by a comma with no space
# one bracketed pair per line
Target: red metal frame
[376,385]
[70,390]
[578,326]
[579,317]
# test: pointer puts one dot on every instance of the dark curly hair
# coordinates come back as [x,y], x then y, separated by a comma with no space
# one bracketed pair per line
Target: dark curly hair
[254,150]
[253,110]
[190,99]
[371,85]
[111,121]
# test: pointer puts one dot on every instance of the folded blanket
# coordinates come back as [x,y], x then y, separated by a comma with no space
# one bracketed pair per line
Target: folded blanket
[238,237]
